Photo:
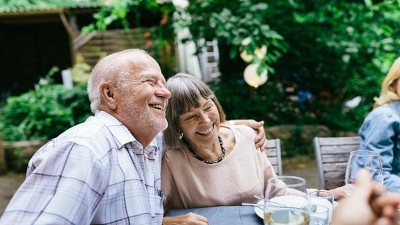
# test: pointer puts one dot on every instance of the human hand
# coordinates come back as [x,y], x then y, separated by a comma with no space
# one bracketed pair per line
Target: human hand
[186,219]
[261,140]
[367,205]
[339,193]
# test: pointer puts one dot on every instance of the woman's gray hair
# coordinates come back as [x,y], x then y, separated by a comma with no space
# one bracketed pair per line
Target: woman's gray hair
[185,92]
[112,68]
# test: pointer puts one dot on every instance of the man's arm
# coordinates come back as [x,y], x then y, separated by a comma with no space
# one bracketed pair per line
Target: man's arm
[186,219]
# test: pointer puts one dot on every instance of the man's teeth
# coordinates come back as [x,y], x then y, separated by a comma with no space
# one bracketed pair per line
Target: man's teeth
[157,106]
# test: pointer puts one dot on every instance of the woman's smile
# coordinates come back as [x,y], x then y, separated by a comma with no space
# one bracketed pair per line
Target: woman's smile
[208,131]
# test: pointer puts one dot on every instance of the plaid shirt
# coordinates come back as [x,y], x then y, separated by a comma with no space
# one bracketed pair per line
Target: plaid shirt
[94,173]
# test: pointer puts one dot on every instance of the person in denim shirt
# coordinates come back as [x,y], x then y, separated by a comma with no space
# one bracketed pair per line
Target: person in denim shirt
[380,131]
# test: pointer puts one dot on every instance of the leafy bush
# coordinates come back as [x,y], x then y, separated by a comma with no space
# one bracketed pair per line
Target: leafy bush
[336,52]
[321,54]
[44,112]
[37,114]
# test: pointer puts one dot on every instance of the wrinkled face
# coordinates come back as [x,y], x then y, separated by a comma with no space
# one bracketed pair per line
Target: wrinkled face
[200,125]
[145,98]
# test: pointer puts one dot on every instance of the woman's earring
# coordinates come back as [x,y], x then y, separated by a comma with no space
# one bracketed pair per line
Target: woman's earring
[180,135]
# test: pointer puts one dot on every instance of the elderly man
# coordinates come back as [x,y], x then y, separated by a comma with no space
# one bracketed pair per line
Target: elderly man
[107,169]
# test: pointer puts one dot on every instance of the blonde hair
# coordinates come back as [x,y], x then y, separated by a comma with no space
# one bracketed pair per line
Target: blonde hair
[389,84]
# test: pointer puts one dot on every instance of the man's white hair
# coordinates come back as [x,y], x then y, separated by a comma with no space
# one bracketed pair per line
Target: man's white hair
[112,68]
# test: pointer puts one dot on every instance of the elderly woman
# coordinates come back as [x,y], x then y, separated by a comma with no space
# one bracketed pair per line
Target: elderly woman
[380,131]
[207,162]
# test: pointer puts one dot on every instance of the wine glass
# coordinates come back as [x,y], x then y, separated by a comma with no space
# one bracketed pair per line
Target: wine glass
[363,159]
[319,214]
[286,201]
[318,198]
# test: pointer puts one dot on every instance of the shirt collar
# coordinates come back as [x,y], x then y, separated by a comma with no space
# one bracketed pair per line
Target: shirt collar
[121,133]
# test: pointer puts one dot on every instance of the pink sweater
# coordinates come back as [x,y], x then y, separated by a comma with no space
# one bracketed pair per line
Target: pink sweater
[188,182]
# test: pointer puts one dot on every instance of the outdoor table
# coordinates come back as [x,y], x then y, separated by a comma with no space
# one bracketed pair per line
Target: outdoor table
[223,215]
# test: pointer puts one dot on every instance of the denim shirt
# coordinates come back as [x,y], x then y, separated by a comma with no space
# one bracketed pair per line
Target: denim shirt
[380,132]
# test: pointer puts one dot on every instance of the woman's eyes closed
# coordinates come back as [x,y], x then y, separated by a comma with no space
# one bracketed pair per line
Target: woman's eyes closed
[208,108]
[194,116]
[190,117]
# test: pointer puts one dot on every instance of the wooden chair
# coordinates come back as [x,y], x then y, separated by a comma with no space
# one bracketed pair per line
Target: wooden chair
[331,155]
[274,154]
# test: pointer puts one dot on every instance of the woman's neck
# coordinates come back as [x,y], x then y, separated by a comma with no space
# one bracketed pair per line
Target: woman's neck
[210,155]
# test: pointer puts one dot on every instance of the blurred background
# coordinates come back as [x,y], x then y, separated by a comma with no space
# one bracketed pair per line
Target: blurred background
[306,68]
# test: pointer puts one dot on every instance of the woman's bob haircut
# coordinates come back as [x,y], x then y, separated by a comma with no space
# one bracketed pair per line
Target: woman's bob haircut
[185,93]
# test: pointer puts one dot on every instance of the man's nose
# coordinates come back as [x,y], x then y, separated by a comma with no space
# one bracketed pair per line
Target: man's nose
[163,92]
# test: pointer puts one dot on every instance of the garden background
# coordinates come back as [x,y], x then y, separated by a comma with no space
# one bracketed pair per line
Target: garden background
[325,61]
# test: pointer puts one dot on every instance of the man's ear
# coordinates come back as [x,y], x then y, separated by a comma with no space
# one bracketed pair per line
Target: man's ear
[109,95]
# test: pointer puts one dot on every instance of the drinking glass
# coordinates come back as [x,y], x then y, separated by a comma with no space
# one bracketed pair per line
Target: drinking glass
[286,201]
[319,214]
[363,159]
[322,197]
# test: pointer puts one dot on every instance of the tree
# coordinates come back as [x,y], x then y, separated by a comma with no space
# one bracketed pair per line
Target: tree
[330,52]
[320,54]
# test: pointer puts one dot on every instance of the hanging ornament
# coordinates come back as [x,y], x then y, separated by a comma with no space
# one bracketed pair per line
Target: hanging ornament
[252,78]
[259,53]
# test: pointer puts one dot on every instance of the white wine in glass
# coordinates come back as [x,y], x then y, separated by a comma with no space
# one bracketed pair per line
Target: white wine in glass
[285,216]
[286,201]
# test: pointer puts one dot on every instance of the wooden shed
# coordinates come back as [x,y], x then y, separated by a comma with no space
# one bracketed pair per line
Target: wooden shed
[34,39]
[94,45]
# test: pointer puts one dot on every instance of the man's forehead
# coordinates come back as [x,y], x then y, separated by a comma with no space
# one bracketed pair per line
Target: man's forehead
[153,76]
[146,66]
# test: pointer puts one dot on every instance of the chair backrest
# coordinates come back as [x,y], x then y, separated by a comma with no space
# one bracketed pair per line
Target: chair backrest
[274,155]
[331,155]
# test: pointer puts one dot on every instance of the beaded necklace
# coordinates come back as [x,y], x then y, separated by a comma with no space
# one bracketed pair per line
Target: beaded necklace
[220,158]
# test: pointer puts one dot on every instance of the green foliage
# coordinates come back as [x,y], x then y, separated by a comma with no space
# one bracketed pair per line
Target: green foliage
[339,51]
[36,114]
[336,51]
[131,13]
[234,22]
[115,12]
[44,112]
[78,102]
[127,14]
[46,4]
[321,54]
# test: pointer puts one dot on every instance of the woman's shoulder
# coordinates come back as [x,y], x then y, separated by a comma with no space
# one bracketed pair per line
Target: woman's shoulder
[384,115]
[388,110]
[243,130]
